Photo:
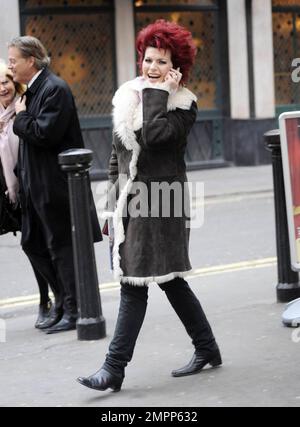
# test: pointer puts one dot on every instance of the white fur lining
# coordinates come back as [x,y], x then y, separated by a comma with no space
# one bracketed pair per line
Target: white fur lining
[145,281]
[128,118]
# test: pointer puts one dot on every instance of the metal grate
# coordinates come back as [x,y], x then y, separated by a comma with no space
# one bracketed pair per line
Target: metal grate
[139,3]
[286,26]
[81,47]
[64,3]
[202,24]
[285,3]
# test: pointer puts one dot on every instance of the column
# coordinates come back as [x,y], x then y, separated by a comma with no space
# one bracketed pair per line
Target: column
[238,59]
[263,59]
[125,41]
[9,24]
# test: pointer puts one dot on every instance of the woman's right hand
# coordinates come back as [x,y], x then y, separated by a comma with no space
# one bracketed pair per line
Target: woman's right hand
[173,79]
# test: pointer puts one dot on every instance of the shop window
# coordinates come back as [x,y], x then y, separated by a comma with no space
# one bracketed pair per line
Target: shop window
[174,2]
[65,3]
[285,3]
[81,45]
[286,40]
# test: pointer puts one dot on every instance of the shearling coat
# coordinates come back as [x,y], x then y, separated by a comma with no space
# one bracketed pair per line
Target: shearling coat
[149,141]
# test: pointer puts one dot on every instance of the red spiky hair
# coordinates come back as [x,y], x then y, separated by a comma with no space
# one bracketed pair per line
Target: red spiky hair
[168,35]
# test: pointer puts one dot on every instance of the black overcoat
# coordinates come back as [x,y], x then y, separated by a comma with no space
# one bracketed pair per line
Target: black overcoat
[49,126]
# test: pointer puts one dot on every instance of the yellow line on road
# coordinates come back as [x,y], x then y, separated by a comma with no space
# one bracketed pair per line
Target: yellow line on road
[237,266]
[28,300]
[229,198]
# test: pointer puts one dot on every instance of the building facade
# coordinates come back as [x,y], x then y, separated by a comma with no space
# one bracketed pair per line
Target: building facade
[242,74]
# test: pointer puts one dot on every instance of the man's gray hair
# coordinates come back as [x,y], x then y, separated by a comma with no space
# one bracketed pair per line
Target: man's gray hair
[31,46]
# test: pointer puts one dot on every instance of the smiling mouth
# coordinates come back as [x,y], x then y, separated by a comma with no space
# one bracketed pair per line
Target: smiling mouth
[153,77]
[3,94]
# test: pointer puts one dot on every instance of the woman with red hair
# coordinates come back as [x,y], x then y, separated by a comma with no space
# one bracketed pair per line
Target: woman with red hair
[152,117]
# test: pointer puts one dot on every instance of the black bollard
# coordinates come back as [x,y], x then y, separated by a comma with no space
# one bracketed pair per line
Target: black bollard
[90,324]
[288,287]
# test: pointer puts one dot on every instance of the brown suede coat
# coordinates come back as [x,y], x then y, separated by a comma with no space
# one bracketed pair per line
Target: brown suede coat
[149,144]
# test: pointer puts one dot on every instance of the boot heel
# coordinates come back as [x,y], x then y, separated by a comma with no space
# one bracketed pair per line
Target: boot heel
[117,387]
[217,361]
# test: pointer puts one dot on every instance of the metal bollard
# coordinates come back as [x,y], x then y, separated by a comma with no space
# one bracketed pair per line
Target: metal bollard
[90,324]
[288,287]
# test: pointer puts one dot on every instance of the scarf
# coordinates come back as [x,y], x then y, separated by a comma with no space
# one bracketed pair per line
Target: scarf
[9,146]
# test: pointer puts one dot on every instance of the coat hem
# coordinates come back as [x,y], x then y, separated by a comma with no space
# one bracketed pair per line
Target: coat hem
[145,281]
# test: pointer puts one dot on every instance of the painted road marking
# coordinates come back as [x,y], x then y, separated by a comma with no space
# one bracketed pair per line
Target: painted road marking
[24,301]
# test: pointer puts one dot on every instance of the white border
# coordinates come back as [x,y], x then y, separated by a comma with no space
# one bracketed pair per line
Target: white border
[295,264]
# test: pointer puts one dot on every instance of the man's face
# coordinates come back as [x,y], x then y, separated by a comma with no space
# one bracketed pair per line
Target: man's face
[22,68]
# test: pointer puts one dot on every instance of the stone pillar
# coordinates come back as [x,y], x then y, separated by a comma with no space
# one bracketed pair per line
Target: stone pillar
[125,41]
[238,59]
[263,59]
[9,24]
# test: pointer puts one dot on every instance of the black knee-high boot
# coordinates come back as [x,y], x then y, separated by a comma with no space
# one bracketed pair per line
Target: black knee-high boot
[191,314]
[131,315]
[132,311]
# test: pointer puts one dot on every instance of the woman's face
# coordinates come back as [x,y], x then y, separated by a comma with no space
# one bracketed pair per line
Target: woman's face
[156,64]
[7,90]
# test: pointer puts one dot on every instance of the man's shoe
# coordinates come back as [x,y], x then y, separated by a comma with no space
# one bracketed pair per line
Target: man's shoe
[199,360]
[54,317]
[67,323]
[45,311]
[102,380]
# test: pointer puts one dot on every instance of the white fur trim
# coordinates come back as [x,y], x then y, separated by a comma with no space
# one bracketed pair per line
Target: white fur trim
[119,232]
[145,281]
[183,99]
[123,118]
[128,114]
[106,215]
[128,118]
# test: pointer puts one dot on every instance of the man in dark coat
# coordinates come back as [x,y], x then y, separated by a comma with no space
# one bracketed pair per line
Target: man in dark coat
[47,124]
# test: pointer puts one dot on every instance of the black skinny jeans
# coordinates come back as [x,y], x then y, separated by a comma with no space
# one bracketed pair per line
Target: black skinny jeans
[132,312]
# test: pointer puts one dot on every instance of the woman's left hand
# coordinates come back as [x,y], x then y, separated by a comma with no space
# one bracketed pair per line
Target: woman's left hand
[173,79]
[20,104]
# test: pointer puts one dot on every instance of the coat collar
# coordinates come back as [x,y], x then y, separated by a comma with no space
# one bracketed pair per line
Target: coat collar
[37,83]
[127,107]
[182,98]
